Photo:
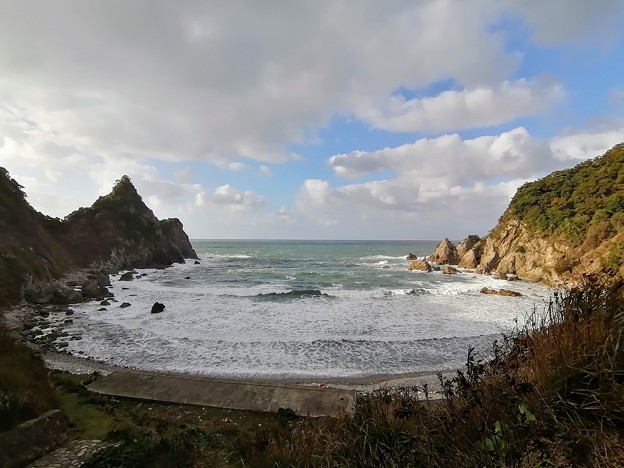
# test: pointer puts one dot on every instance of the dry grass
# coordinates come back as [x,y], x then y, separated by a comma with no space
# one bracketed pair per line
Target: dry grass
[553,395]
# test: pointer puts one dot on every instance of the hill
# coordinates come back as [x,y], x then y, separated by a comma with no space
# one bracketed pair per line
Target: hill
[117,232]
[562,226]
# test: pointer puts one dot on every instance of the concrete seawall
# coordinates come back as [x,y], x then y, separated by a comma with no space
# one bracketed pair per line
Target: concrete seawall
[254,396]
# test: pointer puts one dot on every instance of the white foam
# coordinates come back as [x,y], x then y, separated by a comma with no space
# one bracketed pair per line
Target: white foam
[424,322]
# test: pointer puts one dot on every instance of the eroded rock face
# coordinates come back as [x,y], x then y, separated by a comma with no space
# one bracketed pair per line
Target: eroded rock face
[120,232]
[420,265]
[445,252]
[470,259]
[467,245]
[511,249]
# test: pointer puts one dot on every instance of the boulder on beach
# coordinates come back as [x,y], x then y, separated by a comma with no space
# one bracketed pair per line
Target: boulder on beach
[420,265]
[445,252]
[157,307]
[101,309]
[449,270]
[196,262]
[124,305]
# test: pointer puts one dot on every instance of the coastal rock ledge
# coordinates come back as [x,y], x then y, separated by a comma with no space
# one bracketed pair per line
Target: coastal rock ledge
[46,259]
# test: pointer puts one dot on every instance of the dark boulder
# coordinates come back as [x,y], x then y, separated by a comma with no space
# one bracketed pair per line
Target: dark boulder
[128,276]
[196,262]
[158,308]
[124,305]
[411,256]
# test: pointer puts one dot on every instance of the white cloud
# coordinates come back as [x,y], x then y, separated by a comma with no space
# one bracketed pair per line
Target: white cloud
[555,22]
[444,185]
[265,170]
[183,175]
[586,144]
[452,159]
[469,108]
[285,215]
[237,166]
[227,80]
[234,200]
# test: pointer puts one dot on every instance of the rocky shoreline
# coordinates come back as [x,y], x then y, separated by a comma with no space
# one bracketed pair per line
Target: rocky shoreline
[37,326]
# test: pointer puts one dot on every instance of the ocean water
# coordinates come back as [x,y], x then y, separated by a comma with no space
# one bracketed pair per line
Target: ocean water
[300,309]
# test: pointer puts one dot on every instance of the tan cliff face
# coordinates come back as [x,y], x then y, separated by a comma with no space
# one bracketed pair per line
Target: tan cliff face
[513,249]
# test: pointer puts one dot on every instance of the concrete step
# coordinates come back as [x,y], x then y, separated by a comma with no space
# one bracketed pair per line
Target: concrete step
[254,396]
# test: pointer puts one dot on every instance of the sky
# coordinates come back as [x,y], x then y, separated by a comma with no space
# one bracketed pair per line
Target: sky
[342,119]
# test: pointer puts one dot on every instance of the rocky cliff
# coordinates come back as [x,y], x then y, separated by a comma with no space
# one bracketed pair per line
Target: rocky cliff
[120,232]
[560,227]
[117,232]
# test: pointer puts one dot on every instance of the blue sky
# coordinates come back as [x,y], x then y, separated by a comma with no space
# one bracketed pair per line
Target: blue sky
[329,120]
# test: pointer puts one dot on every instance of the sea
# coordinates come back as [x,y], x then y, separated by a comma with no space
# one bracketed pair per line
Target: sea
[292,309]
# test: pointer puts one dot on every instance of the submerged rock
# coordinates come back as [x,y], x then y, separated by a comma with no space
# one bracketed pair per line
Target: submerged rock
[124,305]
[449,270]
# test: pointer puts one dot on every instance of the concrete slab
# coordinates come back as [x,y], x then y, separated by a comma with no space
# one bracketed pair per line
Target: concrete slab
[254,396]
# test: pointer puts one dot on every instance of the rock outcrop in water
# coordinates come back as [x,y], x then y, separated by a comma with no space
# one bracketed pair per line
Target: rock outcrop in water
[445,253]
[558,228]
[48,260]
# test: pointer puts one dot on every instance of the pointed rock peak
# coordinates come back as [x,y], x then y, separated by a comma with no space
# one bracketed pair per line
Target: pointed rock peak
[124,197]
[124,188]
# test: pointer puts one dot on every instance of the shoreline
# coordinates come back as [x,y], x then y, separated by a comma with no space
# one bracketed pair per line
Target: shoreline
[19,319]
[414,380]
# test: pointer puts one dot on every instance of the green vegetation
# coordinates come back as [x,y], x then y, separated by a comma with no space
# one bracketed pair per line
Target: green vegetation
[24,388]
[166,435]
[574,204]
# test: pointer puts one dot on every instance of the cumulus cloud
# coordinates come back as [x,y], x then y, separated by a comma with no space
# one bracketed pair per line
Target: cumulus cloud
[226,80]
[234,200]
[456,161]
[447,182]
[265,170]
[559,21]
[468,108]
